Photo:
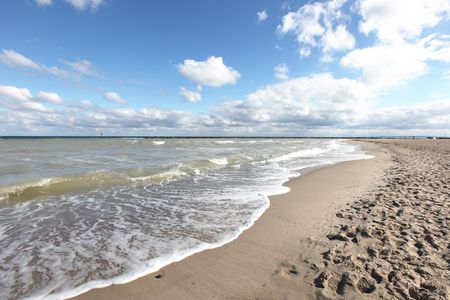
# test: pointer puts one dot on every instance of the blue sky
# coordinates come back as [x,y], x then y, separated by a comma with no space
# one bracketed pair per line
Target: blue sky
[360,67]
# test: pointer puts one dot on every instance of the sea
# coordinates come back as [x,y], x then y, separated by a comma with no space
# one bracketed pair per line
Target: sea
[83,213]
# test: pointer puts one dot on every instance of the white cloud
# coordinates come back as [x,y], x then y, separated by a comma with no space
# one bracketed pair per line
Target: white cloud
[86,103]
[262,15]
[339,40]
[389,65]
[44,2]
[16,93]
[281,72]
[114,97]
[323,105]
[319,104]
[428,116]
[60,72]
[88,119]
[316,100]
[191,96]
[82,66]
[14,59]
[395,21]
[437,46]
[319,25]
[304,52]
[17,60]
[93,5]
[49,97]
[446,75]
[211,72]
[15,98]
[35,106]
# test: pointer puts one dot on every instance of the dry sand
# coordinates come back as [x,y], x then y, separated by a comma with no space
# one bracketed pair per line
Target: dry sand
[362,229]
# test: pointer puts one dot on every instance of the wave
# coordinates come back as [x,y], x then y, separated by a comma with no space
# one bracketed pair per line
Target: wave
[224,142]
[104,179]
[203,197]
[88,181]
[158,263]
[219,161]
[60,185]
[297,154]
[159,142]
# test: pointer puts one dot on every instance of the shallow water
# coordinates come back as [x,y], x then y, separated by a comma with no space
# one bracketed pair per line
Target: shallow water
[82,213]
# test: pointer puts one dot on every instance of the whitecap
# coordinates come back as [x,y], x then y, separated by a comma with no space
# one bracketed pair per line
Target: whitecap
[219,161]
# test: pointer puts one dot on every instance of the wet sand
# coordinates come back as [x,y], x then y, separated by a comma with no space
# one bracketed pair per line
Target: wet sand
[361,229]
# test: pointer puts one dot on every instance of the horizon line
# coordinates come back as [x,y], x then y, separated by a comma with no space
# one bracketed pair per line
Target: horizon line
[221,137]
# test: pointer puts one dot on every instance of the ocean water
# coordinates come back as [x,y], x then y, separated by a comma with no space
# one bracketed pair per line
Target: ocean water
[76,214]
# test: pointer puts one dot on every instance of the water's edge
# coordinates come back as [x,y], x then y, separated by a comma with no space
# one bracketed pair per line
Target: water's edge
[155,265]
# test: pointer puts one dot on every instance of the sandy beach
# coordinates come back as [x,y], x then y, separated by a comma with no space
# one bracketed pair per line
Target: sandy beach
[372,228]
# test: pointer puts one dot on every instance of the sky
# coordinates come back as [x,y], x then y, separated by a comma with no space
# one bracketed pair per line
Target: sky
[225,68]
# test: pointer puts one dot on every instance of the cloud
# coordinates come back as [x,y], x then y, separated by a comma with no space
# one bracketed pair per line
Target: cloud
[191,96]
[44,2]
[446,75]
[87,119]
[14,98]
[87,103]
[211,72]
[82,66]
[262,15]
[319,104]
[114,97]
[80,5]
[338,40]
[16,93]
[34,106]
[427,117]
[389,65]
[319,25]
[395,21]
[281,72]
[398,48]
[16,60]
[93,5]
[53,98]
[316,100]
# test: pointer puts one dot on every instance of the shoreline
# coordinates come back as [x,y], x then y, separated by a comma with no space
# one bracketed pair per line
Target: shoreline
[207,274]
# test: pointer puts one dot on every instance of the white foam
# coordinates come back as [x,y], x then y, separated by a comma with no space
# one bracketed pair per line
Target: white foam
[222,161]
[225,142]
[297,154]
[156,264]
[159,142]
[169,175]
